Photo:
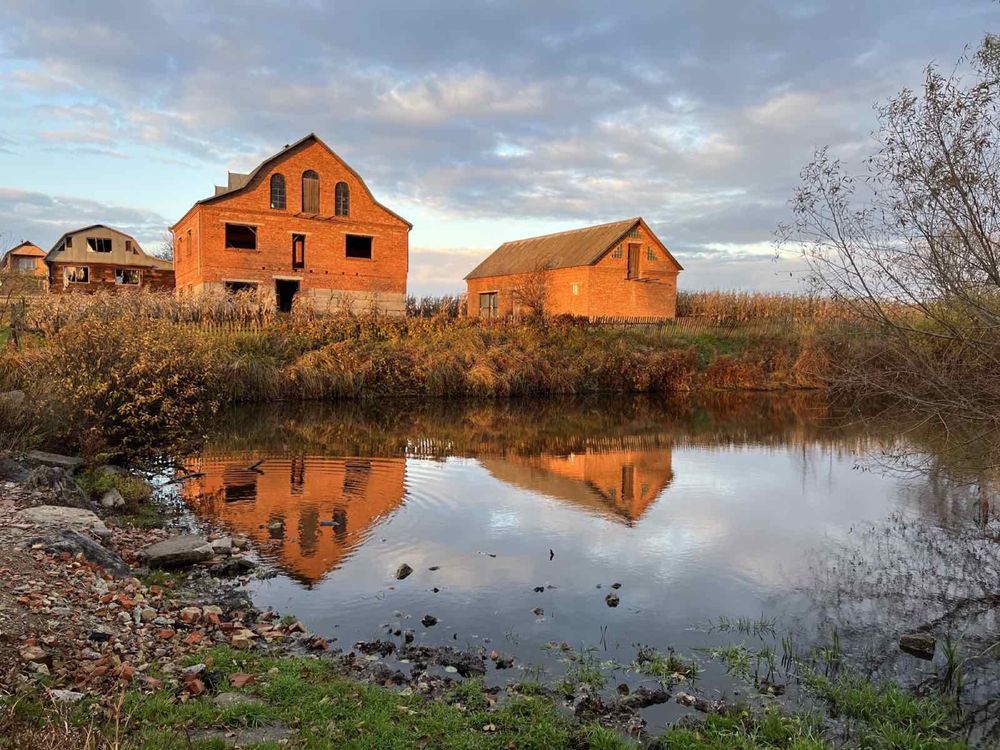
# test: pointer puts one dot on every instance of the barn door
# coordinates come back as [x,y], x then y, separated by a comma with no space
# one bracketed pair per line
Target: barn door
[633,261]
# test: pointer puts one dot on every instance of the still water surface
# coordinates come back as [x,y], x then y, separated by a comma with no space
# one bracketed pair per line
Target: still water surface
[700,510]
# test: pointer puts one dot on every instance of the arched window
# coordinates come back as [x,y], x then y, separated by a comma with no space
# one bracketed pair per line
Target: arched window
[278,191]
[342,199]
[310,192]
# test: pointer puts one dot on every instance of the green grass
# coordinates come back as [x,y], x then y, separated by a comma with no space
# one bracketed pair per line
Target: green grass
[668,666]
[327,709]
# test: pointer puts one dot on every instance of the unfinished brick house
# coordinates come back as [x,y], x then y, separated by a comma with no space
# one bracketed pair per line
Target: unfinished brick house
[612,270]
[23,269]
[101,257]
[302,224]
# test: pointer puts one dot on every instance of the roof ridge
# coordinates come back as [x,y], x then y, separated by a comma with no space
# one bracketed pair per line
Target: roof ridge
[574,231]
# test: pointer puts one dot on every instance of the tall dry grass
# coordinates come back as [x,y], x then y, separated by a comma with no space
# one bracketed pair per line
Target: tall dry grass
[728,308]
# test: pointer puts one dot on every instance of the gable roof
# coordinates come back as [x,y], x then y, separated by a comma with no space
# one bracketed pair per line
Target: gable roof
[26,248]
[576,247]
[237,182]
[147,259]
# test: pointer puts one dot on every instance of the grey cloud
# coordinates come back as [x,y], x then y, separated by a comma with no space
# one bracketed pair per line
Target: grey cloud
[42,219]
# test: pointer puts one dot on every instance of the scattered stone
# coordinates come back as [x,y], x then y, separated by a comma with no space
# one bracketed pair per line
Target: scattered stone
[278,734]
[179,551]
[69,463]
[57,486]
[403,571]
[234,566]
[231,700]
[112,499]
[223,546]
[612,600]
[382,648]
[62,517]
[74,543]
[66,696]
[700,704]
[429,621]
[538,611]
[99,636]
[918,644]
[644,697]
[465,663]
[770,688]
[616,586]
[33,653]
[539,589]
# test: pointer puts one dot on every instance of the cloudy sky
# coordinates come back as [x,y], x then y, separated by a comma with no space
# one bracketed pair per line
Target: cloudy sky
[478,121]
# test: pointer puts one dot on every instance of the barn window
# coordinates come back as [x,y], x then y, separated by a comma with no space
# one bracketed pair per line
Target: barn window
[235,287]
[310,192]
[188,243]
[99,244]
[634,233]
[359,246]
[128,276]
[278,191]
[128,246]
[69,241]
[77,274]
[488,304]
[617,252]
[342,199]
[241,237]
[650,254]
[575,288]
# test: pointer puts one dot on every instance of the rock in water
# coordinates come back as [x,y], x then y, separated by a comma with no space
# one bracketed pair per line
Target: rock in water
[60,517]
[177,552]
[75,543]
[403,571]
[918,644]
[429,621]
[612,600]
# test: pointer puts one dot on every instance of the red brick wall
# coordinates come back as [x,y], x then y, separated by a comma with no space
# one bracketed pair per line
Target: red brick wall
[602,290]
[205,261]
[102,276]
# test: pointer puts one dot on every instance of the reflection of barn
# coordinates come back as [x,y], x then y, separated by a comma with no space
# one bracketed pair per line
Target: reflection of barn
[617,477]
[326,506]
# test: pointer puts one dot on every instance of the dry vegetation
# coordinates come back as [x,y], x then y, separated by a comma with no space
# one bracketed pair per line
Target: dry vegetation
[732,308]
[120,373]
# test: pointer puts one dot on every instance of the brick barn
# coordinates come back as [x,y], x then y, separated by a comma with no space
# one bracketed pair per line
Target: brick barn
[102,257]
[620,269]
[302,224]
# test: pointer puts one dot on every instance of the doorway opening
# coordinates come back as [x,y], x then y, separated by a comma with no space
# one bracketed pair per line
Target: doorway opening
[285,291]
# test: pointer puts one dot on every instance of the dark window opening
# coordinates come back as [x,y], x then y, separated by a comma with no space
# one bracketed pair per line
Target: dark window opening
[342,199]
[69,241]
[488,304]
[99,244]
[278,191]
[128,246]
[310,192]
[235,287]
[298,251]
[241,237]
[284,293]
[127,276]
[77,274]
[359,246]
[187,244]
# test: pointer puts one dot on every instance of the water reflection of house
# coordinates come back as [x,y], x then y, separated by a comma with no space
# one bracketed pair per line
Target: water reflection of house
[619,478]
[326,506]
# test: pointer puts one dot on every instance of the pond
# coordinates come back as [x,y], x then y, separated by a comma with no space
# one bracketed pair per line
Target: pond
[523,521]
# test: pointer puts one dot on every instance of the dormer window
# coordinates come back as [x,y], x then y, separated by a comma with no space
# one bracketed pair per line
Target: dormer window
[342,199]
[99,244]
[278,191]
[310,192]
